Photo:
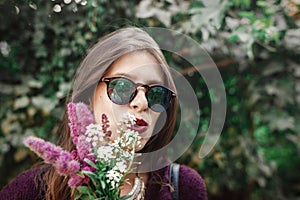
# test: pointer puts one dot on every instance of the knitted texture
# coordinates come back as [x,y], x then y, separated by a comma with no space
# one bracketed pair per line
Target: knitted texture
[191,186]
[23,187]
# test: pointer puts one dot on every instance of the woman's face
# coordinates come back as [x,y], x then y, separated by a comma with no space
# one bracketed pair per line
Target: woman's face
[140,67]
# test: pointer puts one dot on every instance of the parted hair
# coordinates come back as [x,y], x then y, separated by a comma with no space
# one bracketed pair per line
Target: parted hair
[92,68]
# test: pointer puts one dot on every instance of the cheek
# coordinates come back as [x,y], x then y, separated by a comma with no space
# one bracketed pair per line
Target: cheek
[155,120]
[101,104]
[98,100]
[160,121]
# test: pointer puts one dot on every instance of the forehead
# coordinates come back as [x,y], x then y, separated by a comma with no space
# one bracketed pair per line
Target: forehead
[141,67]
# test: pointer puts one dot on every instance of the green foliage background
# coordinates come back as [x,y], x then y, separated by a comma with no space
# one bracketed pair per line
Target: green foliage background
[255,44]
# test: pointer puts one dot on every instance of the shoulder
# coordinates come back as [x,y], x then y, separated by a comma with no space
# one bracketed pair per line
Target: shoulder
[191,184]
[24,186]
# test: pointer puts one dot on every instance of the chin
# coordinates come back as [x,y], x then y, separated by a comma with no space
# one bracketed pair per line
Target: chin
[139,148]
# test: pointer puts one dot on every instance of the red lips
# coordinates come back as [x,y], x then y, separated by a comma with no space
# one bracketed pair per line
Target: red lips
[140,126]
[140,122]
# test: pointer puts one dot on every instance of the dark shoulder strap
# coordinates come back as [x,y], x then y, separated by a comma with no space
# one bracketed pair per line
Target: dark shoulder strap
[174,180]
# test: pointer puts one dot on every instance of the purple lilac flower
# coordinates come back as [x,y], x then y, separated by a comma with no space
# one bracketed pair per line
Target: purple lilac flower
[74,154]
[88,168]
[76,181]
[62,163]
[84,148]
[60,159]
[72,167]
[73,120]
[80,117]
[84,117]
[105,125]
[46,150]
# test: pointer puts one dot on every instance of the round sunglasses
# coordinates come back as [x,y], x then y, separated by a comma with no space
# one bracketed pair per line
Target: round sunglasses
[121,91]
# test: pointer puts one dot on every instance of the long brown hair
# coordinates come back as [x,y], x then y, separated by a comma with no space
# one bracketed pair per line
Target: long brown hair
[91,70]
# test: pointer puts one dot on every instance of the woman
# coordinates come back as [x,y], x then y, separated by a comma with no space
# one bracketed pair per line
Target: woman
[124,72]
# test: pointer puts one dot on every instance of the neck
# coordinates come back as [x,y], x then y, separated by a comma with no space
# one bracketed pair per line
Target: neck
[129,182]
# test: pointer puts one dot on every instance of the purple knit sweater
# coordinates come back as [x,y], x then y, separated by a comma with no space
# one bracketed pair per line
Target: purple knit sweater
[191,186]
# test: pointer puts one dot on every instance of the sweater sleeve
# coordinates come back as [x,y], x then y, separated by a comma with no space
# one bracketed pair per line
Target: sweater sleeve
[191,185]
[22,187]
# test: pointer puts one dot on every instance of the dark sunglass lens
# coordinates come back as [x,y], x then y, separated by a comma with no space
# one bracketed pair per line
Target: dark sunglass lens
[159,98]
[121,90]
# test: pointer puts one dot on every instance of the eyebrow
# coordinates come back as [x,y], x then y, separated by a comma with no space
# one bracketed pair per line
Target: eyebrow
[129,76]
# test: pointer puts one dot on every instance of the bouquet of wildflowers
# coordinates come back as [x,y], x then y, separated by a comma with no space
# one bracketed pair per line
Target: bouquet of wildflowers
[97,167]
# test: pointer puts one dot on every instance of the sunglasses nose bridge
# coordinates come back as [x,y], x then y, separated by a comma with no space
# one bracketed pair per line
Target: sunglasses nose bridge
[139,100]
[142,87]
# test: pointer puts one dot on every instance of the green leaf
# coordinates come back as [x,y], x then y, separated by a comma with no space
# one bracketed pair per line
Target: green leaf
[90,163]
[84,189]
[102,184]
[197,4]
[249,15]
[233,38]
[80,174]
[78,196]
[86,197]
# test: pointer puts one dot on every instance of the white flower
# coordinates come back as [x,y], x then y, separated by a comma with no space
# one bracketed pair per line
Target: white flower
[130,119]
[126,122]
[120,166]
[95,138]
[113,177]
[106,153]
[94,134]
[94,130]
[94,144]
[88,140]
[126,155]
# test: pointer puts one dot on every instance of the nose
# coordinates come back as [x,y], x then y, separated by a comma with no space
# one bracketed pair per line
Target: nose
[139,102]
